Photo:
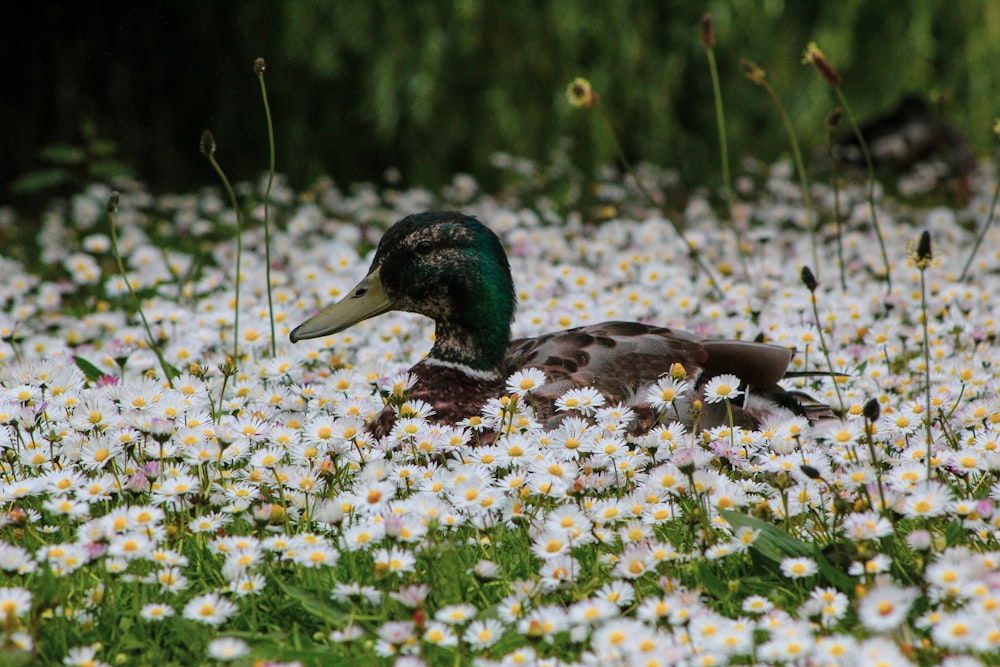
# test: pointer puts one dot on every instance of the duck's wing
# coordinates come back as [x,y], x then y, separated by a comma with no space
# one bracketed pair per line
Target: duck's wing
[621,359]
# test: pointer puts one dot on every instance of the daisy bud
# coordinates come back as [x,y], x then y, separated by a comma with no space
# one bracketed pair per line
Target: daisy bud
[207,145]
[810,472]
[677,371]
[924,254]
[707,31]
[919,540]
[684,460]
[809,279]
[872,410]
[813,56]
[259,67]
[228,367]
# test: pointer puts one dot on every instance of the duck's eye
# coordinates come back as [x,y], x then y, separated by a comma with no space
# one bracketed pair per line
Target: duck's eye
[424,246]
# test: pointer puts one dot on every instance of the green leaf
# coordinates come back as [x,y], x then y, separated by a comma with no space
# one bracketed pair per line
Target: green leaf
[103,147]
[311,603]
[91,371]
[711,581]
[834,575]
[39,181]
[108,169]
[954,533]
[15,658]
[63,155]
[171,370]
[773,543]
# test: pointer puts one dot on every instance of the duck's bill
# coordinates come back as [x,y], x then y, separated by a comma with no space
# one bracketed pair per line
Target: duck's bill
[365,300]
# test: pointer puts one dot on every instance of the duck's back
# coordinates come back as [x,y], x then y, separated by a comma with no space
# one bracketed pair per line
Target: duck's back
[623,359]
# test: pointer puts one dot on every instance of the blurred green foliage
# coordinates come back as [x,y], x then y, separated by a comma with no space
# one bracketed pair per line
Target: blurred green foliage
[438,87]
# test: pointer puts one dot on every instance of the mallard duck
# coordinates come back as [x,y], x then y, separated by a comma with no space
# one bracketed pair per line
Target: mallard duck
[452,268]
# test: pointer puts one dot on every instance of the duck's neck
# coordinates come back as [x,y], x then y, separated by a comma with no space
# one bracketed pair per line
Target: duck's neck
[479,352]
[475,332]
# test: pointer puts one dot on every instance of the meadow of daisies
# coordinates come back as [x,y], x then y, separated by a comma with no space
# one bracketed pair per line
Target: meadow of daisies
[209,494]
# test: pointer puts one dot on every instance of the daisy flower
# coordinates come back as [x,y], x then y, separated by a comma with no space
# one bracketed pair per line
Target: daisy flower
[551,544]
[927,499]
[886,607]
[248,584]
[14,602]
[456,614]
[484,633]
[662,395]
[394,561]
[725,387]
[756,604]
[210,608]
[155,611]
[226,649]
[525,381]
[583,400]
[83,656]
[798,568]
[316,555]
[440,634]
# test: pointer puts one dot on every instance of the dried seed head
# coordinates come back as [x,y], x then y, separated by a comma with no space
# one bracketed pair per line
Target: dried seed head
[707,31]
[753,71]
[580,94]
[259,66]
[809,279]
[113,200]
[207,144]
[813,56]
[833,118]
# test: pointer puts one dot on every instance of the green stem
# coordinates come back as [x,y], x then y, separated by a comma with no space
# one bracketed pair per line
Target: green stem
[267,206]
[239,252]
[871,183]
[838,218]
[692,251]
[121,269]
[826,351]
[800,168]
[927,363]
[982,232]
[720,124]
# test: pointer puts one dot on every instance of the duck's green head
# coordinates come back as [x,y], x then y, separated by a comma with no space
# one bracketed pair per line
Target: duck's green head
[442,264]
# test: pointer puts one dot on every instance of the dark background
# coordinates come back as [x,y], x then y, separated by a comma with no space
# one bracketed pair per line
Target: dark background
[433,88]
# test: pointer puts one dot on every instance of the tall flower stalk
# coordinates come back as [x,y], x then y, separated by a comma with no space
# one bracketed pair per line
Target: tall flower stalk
[759,77]
[111,208]
[258,68]
[809,280]
[208,150]
[923,259]
[582,95]
[815,57]
[989,219]
[832,119]
[708,43]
